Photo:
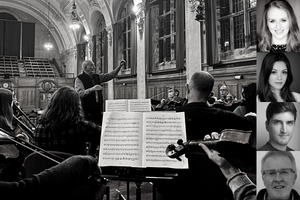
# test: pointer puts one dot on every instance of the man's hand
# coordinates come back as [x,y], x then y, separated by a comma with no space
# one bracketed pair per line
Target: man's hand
[96,87]
[122,63]
[227,169]
[214,135]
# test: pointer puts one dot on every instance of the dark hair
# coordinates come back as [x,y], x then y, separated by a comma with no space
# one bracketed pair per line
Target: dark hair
[280,107]
[265,36]
[6,110]
[264,91]
[249,94]
[64,109]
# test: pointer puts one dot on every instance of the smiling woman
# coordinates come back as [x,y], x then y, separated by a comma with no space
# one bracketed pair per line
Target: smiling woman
[279,30]
[275,79]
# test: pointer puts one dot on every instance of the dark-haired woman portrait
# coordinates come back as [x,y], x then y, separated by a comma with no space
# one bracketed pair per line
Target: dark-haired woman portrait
[62,126]
[279,30]
[275,79]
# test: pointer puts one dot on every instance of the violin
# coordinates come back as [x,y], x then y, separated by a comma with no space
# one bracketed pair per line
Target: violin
[170,104]
[233,145]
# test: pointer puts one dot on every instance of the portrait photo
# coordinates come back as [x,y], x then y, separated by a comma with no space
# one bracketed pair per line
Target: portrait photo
[263,135]
[278,25]
[286,72]
[276,172]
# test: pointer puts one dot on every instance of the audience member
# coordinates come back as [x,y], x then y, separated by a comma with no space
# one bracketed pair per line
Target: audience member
[76,178]
[62,127]
[201,119]
[248,103]
[172,101]
[279,29]
[239,183]
[281,118]
[88,85]
[279,174]
[275,79]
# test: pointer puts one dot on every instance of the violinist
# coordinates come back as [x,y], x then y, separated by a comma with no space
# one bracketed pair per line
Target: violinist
[172,101]
[62,126]
[228,101]
[10,162]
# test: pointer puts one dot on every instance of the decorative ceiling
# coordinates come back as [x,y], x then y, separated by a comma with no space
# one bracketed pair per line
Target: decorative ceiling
[59,16]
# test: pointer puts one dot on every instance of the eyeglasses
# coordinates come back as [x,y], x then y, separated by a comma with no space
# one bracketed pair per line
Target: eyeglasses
[282,172]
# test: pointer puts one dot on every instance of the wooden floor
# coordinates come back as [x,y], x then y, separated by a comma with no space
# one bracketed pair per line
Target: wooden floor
[120,188]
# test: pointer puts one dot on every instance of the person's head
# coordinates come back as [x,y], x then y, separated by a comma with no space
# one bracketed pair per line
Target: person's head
[172,92]
[275,74]
[200,86]
[224,91]
[229,98]
[64,107]
[6,109]
[249,95]
[279,174]
[88,67]
[280,123]
[278,26]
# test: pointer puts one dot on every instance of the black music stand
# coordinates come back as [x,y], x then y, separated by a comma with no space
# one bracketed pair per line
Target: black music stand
[140,175]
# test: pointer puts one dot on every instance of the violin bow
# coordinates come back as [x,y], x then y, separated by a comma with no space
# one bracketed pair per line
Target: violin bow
[29,146]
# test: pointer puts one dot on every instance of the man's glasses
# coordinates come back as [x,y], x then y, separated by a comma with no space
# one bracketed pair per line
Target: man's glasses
[282,172]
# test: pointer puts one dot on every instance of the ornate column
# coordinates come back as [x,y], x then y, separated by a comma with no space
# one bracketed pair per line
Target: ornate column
[193,38]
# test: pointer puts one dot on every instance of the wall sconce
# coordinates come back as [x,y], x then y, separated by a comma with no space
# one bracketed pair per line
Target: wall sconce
[139,11]
[109,34]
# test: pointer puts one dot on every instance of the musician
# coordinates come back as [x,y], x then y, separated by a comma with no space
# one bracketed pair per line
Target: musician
[201,119]
[172,101]
[280,124]
[88,86]
[228,101]
[223,93]
[248,103]
[279,174]
[239,183]
[62,127]
[75,178]
[10,168]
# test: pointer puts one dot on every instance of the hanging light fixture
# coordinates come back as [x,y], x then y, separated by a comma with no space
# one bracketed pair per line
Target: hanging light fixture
[48,45]
[75,21]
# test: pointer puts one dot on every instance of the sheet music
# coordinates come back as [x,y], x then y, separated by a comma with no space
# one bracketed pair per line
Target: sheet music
[120,143]
[160,131]
[116,105]
[139,105]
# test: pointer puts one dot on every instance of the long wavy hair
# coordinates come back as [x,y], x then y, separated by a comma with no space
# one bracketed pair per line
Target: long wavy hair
[264,90]
[6,110]
[264,35]
[63,110]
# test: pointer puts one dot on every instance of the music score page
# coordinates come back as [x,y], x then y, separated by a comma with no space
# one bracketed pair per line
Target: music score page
[139,139]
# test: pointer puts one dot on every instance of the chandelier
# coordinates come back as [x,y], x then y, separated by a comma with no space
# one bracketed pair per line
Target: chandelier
[74,19]
[48,45]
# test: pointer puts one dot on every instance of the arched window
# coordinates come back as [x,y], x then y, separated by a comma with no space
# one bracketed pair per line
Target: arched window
[166,35]
[100,41]
[237,26]
[125,28]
